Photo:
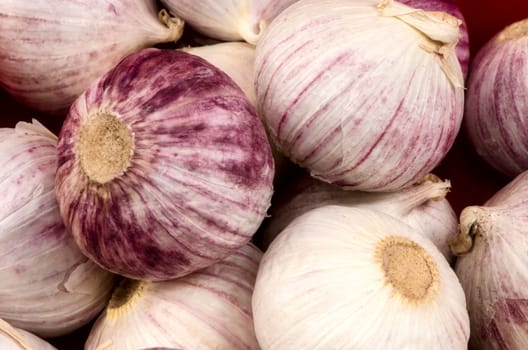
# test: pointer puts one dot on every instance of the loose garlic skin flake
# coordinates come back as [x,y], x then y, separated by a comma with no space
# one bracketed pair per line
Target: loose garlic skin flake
[347,278]
[364,94]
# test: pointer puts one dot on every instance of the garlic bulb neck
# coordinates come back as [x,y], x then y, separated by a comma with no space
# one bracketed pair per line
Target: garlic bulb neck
[408,268]
[127,290]
[440,31]
[517,30]
[175,25]
[106,147]
[470,221]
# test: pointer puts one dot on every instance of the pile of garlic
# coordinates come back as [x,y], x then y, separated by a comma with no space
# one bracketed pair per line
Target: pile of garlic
[168,213]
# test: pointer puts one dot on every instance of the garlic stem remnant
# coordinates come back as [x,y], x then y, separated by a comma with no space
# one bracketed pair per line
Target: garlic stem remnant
[106,146]
[408,268]
[124,293]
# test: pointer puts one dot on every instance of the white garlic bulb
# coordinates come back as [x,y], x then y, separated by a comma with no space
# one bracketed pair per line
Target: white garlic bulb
[47,285]
[349,278]
[365,94]
[228,20]
[492,267]
[12,338]
[209,309]
[422,205]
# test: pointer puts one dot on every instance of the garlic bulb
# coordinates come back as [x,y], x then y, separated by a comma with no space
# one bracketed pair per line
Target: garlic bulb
[496,109]
[422,206]
[228,20]
[164,167]
[209,309]
[462,48]
[492,267]
[365,94]
[12,338]
[65,45]
[48,286]
[349,278]
[236,59]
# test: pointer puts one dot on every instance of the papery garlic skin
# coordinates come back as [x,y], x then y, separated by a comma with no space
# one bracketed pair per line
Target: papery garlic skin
[65,45]
[164,167]
[349,278]
[422,206]
[493,271]
[228,20]
[353,92]
[47,285]
[12,338]
[450,6]
[496,108]
[209,309]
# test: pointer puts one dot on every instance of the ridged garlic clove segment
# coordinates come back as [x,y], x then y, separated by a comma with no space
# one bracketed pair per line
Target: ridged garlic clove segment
[164,167]
[492,267]
[350,278]
[365,94]
[228,20]
[209,309]
[65,45]
[496,108]
[422,206]
[12,338]
[47,286]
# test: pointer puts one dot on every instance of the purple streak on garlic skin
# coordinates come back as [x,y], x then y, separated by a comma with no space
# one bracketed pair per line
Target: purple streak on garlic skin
[451,7]
[199,181]
[496,108]
[51,50]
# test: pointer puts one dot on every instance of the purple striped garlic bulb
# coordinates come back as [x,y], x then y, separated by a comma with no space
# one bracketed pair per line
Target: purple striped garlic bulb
[164,167]
[65,45]
[365,94]
[47,286]
[496,108]
[492,267]
[12,338]
[450,6]
[208,309]
[228,20]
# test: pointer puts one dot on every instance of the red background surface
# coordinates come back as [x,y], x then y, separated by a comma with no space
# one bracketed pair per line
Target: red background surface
[473,181]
